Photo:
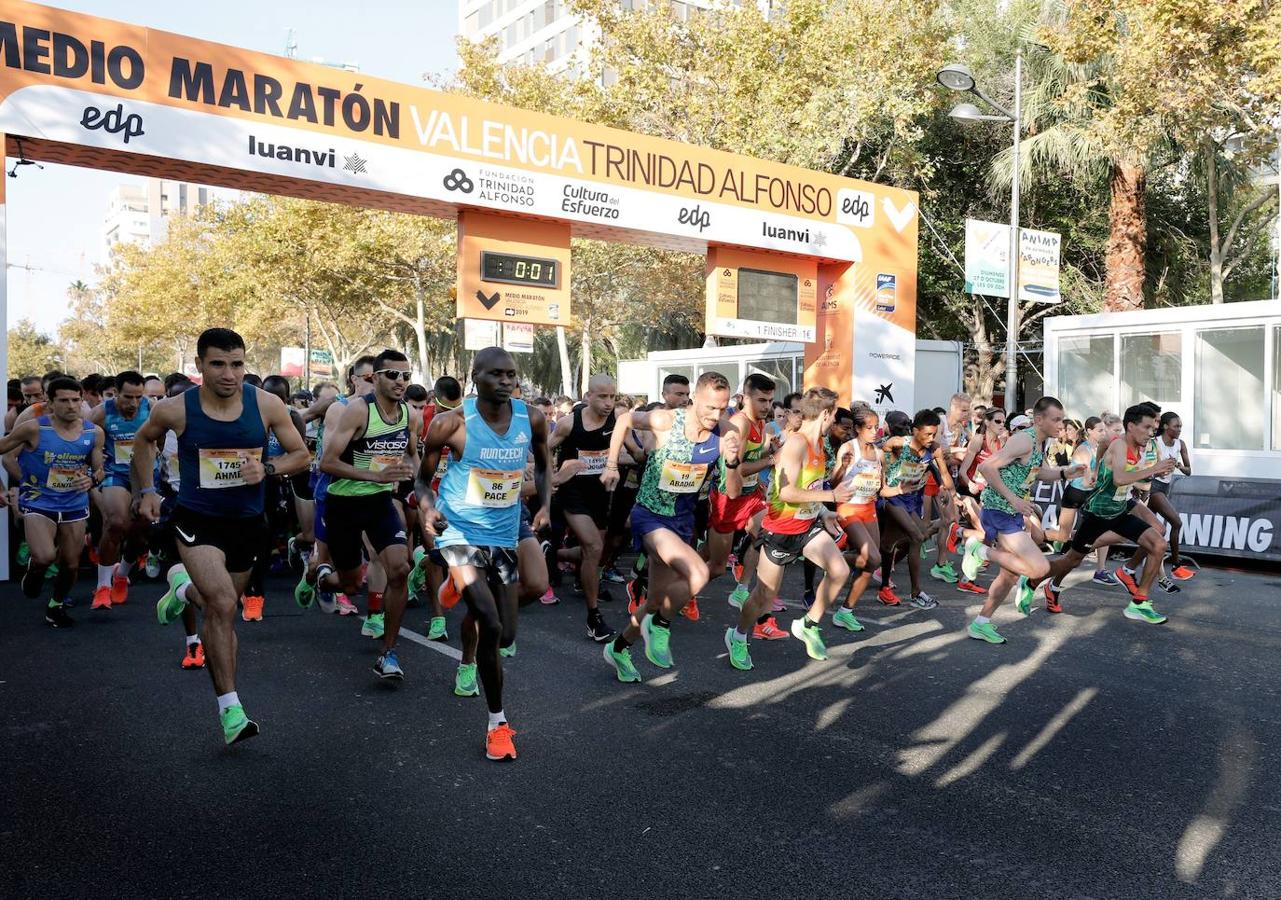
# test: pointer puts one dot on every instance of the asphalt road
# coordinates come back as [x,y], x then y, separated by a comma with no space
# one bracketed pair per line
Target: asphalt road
[1091,756]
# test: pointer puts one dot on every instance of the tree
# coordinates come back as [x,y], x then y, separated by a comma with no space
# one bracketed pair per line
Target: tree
[31,352]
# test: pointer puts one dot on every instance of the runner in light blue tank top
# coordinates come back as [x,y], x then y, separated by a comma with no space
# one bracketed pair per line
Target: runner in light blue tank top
[119,432]
[480,493]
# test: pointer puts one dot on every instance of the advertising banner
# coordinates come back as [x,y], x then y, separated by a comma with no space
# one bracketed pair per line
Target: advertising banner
[987,258]
[479,334]
[518,337]
[1039,265]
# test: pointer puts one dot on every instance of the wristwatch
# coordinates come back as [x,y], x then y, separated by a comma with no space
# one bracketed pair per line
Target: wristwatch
[735,466]
[269,468]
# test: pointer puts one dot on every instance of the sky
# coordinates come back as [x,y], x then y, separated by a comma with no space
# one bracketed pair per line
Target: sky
[55,215]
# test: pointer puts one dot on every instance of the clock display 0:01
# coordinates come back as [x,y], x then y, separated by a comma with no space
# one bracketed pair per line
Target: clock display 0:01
[510,268]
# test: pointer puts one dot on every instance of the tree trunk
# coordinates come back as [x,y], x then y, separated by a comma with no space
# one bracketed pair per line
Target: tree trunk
[980,378]
[1127,242]
[566,373]
[585,358]
[420,328]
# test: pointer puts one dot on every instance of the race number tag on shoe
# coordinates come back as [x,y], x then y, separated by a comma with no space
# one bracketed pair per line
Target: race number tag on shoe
[682,478]
[62,478]
[124,452]
[494,489]
[593,461]
[221,468]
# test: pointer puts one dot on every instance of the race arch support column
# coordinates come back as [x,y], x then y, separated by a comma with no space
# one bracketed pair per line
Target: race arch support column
[4,350]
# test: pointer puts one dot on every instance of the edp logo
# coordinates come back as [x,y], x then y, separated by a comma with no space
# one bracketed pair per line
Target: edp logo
[112,121]
[857,208]
[695,216]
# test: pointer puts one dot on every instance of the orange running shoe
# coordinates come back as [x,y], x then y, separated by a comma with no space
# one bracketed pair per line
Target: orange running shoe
[768,631]
[887,596]
[101,598]
[1182,573]
[635,597]
[448,594]
[195,658]
[738,572]
[690,610]
[253,608]
[1128,580]
[119,589]
[498,743]
[93,551]
[970,587]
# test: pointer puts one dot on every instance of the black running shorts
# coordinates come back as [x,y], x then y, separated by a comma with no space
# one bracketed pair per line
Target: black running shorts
[1093,527]
[240,538]
[347,518]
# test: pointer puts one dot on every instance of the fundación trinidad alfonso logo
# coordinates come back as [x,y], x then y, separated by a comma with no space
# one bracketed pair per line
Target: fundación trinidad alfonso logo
[457,180]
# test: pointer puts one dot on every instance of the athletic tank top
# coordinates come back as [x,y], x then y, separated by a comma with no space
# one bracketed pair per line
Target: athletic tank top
[864,475]
[49,469]
[1017,476]
[907,469]
[382,445]
[591,446]
[797,518]
[480,493]
[1108,500]
[975,477]
[1079,481]
[210,453]
[675,472]
[119,432]
[1172,451]
[753,449]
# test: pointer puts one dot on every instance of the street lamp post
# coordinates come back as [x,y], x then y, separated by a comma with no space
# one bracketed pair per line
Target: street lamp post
[958,78]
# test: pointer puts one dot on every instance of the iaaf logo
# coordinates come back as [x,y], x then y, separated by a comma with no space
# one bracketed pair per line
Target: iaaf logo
[695,216]
[112,121]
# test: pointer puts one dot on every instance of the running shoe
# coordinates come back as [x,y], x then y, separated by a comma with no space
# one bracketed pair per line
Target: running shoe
[465,681]
[811,636]
[1168,586]
[985,632]
[738,596]
[373,626]
[624,668]
[253,608]
[549,598]
[236,726]
[417,574]
[387,667]
[597,630]
[58,617]
[736,569]
[887,596]
[613,576]
[498,743]
[970,587]
[170,606]
[1023,596]
[844,618]
[119,589]
[603,595]
[327,600]
[1105,578]
[657,642]
[779,606]
[923,601]
[291,553]
[944,572]
[437,630]
[1182,573]
[926,549]
[1142,611]
[24,553]
[1057,546]
[448,594]
[507,652]
[1052,604]
[739,658]
[304,593]
[690,610]
[194,658]
[1127,580]
[151,568]
[971,562]
[345,607]
[768,630]
[954,533]
[807,599]
[101,598]
[635,596]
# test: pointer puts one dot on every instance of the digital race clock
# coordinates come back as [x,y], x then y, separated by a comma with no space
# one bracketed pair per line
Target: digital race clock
[511,268]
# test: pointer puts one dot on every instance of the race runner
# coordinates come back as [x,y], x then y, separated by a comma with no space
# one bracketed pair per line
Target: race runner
[859,468]
[222,432]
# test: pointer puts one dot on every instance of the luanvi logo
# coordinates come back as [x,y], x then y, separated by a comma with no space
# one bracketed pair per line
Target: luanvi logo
[319,157]
[695,216]
[112,121]
[457,180]
[488,302]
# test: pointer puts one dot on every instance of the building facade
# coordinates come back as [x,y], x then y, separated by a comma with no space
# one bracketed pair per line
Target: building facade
[139,213]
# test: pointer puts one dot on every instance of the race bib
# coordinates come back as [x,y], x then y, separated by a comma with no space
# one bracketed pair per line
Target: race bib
[866,484]
[62,478]
[682,478]
[494,489]
[1028,481]
[124,452]
[911,475]
[1122,494]
[381,461]
[593,461]
[810,510]
[750,482]
[221,468]
[633,480]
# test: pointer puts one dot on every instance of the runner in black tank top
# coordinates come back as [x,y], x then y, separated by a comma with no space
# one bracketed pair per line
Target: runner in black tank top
[583,441]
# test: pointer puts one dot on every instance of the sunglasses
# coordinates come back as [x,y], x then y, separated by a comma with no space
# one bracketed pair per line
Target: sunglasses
[395,374]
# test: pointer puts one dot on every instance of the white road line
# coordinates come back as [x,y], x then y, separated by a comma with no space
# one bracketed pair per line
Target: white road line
[438,646]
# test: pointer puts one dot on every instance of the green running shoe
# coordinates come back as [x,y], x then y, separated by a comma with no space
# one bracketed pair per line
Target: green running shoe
[437,630]
[926,550]
[811,636]
[417,575]
[971,562]
[738,596]
[465,681]
[657,642]
[985,632]
[739,658]
[1057,546]
[373,626]
[622,663]
[944,572]
[169,608]
[24,554]
[844,618]
[1143,612]
[236,726]
[304,593]
[1023,595]
[507,652]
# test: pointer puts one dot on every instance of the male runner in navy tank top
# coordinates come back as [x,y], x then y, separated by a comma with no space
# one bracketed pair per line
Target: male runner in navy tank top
[218,522]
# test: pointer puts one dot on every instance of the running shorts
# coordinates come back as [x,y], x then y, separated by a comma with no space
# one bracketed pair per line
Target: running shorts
[240,538]
[785,549]
[620,508]
[498,562]
[913,502]
[58,517]
[726,516]
[302,485]
[586,499]
[121,481]
[526,532]
[373,515]
[1160,487]
[645,521]
[997,522]
[1075,497]
[1092,527]
[856,512]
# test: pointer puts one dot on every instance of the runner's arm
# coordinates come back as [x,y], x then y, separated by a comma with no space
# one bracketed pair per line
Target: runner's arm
[439,433]
[788,469]
[542,469]
[732,452]
[1186,468]
[25,435]
[560,432]
[945,473]
[1121,476]
[971,451]
[97,470]
[142,468]
[415,429]
[291,439]
[318,409]
[844,457]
